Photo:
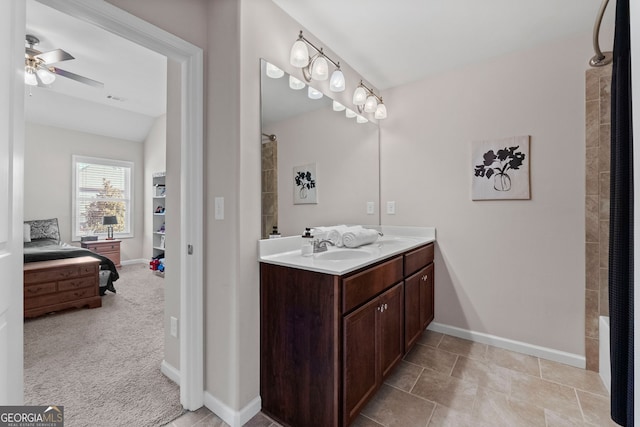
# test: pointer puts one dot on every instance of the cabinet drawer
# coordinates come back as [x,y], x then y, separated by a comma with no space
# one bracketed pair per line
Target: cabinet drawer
[39,289]
[60,297]
[415,260]
[363,286]
[103,249]
[52,275]
[81,282]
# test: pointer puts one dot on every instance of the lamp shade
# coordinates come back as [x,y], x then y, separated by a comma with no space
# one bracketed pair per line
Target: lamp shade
[299,54]
[349,113]
[314,93]
[360,119]
[109,220]
[46,76]
[30,76]
[370,104]
[296,84]
[381,112]
[319,68]
[337,82]
[337,106]
[272,71]
[359,96]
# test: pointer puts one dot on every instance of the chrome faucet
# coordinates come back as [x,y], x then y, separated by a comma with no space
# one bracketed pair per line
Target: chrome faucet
[321,245]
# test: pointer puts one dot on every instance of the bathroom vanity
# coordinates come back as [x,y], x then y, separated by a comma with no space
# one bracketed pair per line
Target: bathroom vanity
[334,326]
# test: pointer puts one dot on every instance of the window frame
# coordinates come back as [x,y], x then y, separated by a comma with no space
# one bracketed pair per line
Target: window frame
[129,184]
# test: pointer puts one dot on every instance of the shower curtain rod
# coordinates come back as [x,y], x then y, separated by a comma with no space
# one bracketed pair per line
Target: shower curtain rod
[600,59]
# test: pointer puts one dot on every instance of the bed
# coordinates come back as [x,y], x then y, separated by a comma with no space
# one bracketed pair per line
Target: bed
[42,243]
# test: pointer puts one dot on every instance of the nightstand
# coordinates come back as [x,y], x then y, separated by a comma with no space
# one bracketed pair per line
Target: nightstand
[107,248]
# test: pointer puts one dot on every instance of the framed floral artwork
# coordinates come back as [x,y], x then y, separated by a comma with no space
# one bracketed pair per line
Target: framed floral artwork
[501,169]
[305,190]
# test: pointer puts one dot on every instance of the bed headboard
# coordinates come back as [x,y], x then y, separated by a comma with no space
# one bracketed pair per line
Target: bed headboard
[43,229]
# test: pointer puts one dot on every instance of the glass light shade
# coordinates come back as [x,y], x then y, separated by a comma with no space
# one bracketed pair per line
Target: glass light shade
[295,84]
[46,76]
[359,96]
[319,68]
[370,104]
[299,54]
[381,112]
[30,77]
[349,113]
[273,71]
[361,119]
[337,82]
[314,93]
[337,106]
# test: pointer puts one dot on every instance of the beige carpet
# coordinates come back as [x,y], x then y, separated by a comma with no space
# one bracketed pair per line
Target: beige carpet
[103,364]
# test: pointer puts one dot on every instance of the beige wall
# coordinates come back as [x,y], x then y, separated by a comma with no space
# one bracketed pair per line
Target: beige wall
[513,269]
[48,177]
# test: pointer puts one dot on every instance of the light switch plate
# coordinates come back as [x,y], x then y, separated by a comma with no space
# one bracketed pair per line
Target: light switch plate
[391,208]
[174,327]
[370,208]
[219,208]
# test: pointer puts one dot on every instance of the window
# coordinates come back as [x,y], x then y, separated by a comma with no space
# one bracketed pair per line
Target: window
[102,187]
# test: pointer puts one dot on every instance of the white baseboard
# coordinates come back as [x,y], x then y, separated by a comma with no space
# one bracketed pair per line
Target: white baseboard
[134,261]
[508,344]
[170,372]
[230,416]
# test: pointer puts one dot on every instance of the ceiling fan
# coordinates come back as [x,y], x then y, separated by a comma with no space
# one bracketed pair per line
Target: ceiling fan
[38,70]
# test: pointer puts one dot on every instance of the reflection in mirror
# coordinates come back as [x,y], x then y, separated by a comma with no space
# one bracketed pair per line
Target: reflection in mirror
[302,135]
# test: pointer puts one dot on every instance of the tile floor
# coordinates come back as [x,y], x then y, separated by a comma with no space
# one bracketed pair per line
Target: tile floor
[450,382]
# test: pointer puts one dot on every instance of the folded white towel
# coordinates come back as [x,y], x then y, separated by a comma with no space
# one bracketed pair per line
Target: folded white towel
[333,233]
[358,237]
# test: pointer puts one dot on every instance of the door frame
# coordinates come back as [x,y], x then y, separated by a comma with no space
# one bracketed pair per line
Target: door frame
[191,58]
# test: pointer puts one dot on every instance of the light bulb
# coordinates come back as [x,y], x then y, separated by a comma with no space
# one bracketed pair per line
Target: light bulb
[30,76]
[273,71]
[337,106]
[319,68]
[337,82]
[314,93]
[361,119]
[299,54]
[381,112]
[359,96]
[295,84]
[46,76]
[349,113]
[370,104]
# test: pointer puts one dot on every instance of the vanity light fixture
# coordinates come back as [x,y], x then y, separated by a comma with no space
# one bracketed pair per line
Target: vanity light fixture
[337,106]
[349,113]
[367,101]
[361,119]
[315,67]
[314,93]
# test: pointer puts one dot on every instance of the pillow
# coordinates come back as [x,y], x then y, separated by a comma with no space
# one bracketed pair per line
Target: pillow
[26,233]
[44,229]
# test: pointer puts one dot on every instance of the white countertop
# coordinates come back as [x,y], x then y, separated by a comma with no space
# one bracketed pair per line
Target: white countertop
[285,251]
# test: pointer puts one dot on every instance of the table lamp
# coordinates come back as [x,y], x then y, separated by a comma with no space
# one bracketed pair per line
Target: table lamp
[109,221]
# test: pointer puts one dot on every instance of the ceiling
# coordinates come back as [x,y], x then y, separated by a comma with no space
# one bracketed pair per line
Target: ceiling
[134,78]
[392,43]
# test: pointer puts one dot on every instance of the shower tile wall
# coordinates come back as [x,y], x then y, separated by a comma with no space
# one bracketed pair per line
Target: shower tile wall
[269,187]
[598,145]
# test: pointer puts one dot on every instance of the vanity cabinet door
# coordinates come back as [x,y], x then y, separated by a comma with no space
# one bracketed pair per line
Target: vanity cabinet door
[361,374]
[391,313]
[426,297]
[418,305]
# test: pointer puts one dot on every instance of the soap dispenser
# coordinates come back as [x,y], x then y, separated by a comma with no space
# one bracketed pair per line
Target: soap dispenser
[307,243]
[274,233]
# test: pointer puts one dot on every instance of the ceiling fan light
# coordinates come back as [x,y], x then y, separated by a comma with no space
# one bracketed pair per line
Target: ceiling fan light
[273,71]
[299,54]
[359,96]
[319,68]
[337,82]
[314,93]
[361,119]
[349,113]
[370,104]
[337,106]
[381,112]
[30,76]
[296,84]
[46,76]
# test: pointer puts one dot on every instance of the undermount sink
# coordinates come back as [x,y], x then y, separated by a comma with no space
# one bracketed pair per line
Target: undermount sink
[342,254]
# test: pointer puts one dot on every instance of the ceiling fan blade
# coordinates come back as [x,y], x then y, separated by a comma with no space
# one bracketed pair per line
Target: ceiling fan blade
[31,51]
[52,56]
[76,77]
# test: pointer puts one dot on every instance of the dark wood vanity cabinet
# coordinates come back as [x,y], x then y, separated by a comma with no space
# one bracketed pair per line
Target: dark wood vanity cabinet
[328,342]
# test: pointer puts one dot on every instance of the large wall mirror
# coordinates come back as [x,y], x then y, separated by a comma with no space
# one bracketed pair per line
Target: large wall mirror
[334,158]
